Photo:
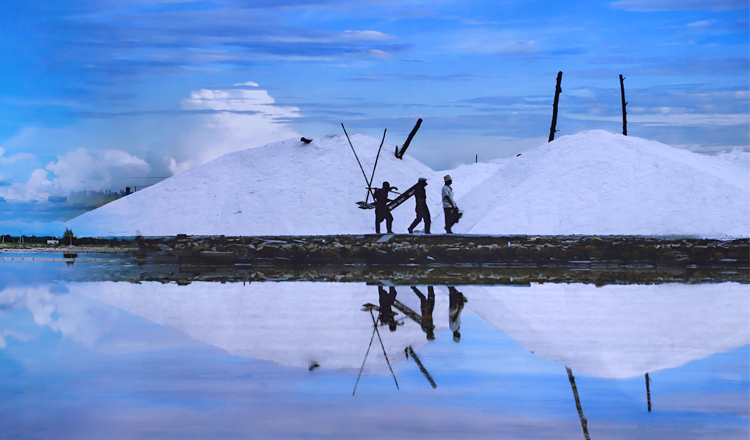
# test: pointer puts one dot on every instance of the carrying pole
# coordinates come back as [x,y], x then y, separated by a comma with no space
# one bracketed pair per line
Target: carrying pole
[383,346]
[355,155]
[372,176]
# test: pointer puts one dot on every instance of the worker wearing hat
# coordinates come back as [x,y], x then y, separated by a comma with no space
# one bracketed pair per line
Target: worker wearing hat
[381,208]
[423,212]
[449,205]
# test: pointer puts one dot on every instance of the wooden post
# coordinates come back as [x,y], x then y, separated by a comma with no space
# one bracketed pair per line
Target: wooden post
[624,113]
[584,422]
[648,393]
[558,90]
[400,154]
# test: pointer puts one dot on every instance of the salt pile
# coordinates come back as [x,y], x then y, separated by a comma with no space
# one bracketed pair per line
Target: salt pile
[618,332]
[602,183]
[590,183]
[292,324]
[284,188]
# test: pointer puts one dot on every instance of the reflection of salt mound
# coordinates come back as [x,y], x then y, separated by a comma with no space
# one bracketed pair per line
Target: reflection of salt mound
[619,331]
[293,324]
[597,182]
[283,188]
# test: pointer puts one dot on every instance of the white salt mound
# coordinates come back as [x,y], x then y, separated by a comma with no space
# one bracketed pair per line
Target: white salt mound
[284,188]
[618,332]
[602,183]
[590,183]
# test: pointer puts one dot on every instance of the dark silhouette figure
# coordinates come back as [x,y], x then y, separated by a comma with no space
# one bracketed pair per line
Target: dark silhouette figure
[386,315]
[381,209]
[456,300]
[127,190]
[427,305]
[423,212]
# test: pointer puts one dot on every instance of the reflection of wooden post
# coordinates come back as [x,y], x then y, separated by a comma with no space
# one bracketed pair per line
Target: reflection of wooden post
[648,393]
[624,113]
[584,422]
[558,90]
[410,351]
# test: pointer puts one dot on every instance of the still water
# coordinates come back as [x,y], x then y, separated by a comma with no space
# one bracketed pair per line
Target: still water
[88,359]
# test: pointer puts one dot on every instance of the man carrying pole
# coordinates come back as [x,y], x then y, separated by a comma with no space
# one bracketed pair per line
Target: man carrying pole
[381,209]
[423,212]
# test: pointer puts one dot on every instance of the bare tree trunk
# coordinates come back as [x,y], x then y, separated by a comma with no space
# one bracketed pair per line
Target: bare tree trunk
[558,90]
[624,113]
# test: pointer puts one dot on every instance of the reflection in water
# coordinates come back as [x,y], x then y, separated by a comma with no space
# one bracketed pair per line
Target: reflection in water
[584,422]
[457,300]
[490,385]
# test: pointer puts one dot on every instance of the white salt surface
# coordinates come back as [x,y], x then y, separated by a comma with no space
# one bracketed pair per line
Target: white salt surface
[603,183]
[593,182]
[618,331]
[292,324]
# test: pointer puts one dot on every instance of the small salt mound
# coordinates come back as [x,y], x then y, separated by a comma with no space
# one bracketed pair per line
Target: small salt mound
[284,188]
[602,183]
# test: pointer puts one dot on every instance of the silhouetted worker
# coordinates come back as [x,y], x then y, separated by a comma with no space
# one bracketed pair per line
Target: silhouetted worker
[456,301]
[381,209]
[386,314]
[449,205]
[427,305]
[423,212]
[127,190]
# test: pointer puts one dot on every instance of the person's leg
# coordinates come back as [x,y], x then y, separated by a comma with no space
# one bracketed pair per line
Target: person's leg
[378,219]
[389,223]
[448,218]
[415,223]
[426,216]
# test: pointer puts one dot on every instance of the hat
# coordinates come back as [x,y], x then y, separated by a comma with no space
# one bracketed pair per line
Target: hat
[422,179]
[386,185]
[447,178]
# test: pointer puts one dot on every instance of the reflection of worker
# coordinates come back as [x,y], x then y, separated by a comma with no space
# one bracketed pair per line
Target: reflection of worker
[456,300]
[423,212]
[381,209]
[386,315]
[427,305]
[449,205]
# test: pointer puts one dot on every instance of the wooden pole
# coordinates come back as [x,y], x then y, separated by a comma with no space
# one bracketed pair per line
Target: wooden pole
[424,371]
[400,154]
[648,393]
[624,103]
[372,176]
[584,422]
[558,90]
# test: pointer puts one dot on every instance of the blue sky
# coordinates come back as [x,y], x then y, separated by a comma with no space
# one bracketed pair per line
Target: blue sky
[105,94]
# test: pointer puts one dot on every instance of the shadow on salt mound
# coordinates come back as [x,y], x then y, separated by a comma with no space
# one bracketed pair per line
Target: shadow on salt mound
[602,183]
[618,332]
[293,324]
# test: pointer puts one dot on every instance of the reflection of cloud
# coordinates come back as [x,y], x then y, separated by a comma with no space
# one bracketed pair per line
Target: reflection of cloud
[79,318]
[708,403]
[14,158]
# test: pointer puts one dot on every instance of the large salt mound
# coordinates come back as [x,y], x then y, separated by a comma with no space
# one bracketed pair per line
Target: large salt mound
[284,188]
[618,331]
[602,183]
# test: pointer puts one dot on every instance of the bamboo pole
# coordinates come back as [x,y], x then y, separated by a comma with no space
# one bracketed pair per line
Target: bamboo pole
[558,90]
[624,103]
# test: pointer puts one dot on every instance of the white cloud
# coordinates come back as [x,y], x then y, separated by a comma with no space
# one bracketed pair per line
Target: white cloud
[672,119]
[249,83]
[379,53]
[367,35]
[14,158]
[244,119]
